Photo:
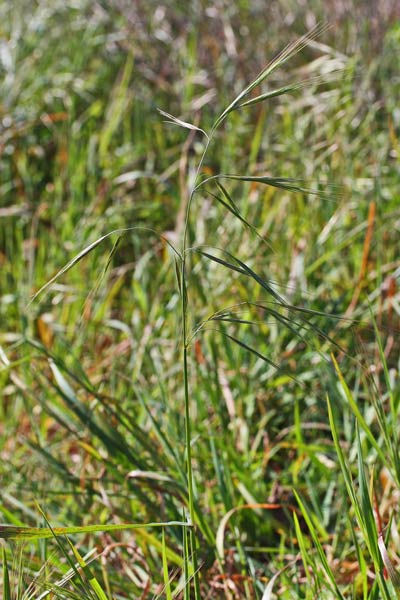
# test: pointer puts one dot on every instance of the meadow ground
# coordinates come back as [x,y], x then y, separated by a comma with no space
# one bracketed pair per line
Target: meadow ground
[216,345]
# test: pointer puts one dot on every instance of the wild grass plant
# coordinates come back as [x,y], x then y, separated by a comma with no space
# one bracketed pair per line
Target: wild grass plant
[226,369]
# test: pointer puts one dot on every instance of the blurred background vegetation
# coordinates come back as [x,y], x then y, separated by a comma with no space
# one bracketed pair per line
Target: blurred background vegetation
[91,379]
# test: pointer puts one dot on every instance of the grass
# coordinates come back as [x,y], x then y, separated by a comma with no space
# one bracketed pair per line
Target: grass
[199,331]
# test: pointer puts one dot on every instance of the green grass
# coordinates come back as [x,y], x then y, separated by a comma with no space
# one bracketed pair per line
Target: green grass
[179,300]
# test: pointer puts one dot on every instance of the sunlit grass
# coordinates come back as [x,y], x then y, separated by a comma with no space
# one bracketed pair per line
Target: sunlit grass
[176,308]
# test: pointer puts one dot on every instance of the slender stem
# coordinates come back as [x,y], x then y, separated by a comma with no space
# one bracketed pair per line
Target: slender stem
[192,192]
[188,437]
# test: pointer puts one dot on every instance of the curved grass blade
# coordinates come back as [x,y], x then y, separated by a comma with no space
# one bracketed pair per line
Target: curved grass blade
[175,121]
[76,259]
[267,595]
[392,572]
[224,521]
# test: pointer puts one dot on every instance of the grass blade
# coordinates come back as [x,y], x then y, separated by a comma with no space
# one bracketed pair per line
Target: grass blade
[13,532]
[88,573]
[252,350]
[224,521]
[321,554]
[267,595]
[357,413]
[6,577]
[76,259]
[304,551]
[167,583]
[367,513]
[185,124]
[392,572]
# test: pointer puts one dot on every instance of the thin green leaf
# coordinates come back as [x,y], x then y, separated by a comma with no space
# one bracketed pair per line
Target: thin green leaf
[391,436]
[6,577]
[358,509]
[344,467]
[357,413]
[230,205]
[13,532]
[89,249]
[304,550]
[252,350]
[366,508]
[244,269]
[91,579]
[320,551]
[167,583]
[222,262]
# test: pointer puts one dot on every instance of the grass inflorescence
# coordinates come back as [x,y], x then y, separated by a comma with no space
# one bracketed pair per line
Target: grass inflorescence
[199,355]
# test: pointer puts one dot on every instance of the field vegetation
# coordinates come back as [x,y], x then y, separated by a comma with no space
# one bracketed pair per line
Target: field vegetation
[199,299]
